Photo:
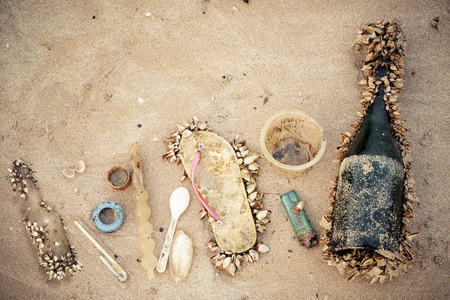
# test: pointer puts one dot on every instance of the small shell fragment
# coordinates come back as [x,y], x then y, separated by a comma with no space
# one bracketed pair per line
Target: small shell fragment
[69,172]
[80,167]
[180,257]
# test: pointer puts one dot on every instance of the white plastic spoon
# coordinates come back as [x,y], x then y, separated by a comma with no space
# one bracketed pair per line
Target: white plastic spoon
[179,201]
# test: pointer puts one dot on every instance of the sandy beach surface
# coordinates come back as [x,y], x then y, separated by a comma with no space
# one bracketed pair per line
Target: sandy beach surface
[234,65]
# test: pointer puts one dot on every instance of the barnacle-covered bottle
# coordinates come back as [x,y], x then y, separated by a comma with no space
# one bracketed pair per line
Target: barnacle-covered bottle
[368,208]
[45,226]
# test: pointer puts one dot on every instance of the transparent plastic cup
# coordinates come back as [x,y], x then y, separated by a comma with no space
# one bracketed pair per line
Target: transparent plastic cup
[292,142]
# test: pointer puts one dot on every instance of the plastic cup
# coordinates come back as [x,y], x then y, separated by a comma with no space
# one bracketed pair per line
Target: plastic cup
[292,142]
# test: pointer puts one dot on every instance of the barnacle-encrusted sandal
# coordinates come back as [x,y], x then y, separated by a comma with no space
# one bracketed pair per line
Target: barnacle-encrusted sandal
[223,176]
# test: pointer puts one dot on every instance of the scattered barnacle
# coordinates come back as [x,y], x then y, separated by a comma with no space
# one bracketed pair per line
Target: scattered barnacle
[385,44]
[240,222]
[44,225]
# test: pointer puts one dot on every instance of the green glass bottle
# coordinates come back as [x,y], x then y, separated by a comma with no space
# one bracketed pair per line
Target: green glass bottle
[368,207]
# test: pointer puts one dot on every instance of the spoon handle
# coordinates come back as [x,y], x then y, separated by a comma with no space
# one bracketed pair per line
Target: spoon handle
[162,263]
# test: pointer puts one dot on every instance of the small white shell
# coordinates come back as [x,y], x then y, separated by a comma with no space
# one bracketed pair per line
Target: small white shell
[227,262]
[253,167]
[261,248]
[250,158]
[180,257]
[186,133]
[262,214]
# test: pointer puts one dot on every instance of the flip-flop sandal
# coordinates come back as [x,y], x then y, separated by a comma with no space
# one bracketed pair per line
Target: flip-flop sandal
[223,177]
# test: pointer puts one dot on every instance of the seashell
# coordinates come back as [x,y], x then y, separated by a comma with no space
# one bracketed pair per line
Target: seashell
[300,206]
[183,177]
[245,174]
[375,271]
[231,269]
[180,257]
[260,228]
[251,188]
[250,158]
[255,204]
[69,172]
[261,248]
[262,214]
[219,262]
[253,167]
[237,262]
[264,221]
[252,196]
[203,126]
[254,255]
[367,262]
[244,150]
[226,262]
[412,236]
[80,167]
[186,133]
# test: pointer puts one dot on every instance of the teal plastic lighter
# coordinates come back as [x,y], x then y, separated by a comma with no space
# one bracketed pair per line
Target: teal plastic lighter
[299,220]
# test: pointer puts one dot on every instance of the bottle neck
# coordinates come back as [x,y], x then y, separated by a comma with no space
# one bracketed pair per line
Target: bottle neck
[375,136]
